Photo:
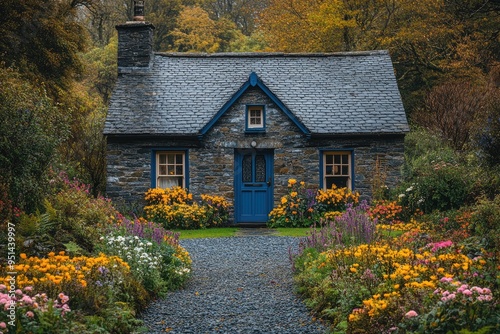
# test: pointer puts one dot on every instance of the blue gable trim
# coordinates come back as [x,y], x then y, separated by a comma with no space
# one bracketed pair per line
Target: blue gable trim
[254,81]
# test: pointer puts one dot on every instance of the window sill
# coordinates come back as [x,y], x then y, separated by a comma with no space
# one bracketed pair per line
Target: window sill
[256,130]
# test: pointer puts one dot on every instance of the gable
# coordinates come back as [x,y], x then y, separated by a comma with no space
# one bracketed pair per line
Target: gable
[324,94]
[254,81]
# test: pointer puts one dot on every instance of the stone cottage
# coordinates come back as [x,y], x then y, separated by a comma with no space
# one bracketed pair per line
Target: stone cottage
[241,124]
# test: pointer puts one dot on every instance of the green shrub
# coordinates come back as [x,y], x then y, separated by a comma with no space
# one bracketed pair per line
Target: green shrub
[71,216]
[486,222]
[447,187]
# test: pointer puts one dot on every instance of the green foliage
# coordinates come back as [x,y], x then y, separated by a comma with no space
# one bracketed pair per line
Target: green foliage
[30,131]
[43,40]
[436,176]
[486,222]
[487,135]
[71,216]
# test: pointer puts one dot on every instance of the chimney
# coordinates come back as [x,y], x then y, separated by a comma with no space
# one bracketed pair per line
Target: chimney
[135,41]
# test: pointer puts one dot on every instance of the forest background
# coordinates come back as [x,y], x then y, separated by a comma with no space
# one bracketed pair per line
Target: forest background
[58,68]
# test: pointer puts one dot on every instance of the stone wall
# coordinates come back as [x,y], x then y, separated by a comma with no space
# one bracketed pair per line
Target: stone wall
[211,161]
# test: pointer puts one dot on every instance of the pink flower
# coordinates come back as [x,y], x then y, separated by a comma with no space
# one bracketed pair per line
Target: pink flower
[30,314]
[3,325]
[2,287]
[467,292]
[411,314]
[28,288]
[477,289]
[19,292]
[446,280]
[27,300]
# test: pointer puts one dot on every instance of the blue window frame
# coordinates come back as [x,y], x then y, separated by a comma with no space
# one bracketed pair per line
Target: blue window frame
[169,168]
[336,168]
[255,118]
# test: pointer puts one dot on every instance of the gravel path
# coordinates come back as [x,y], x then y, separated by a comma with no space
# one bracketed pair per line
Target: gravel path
[239,285]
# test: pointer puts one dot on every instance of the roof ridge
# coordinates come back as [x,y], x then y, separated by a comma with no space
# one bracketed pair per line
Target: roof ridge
[271,54]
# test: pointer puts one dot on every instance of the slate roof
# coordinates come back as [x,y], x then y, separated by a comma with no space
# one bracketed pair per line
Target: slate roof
[333,94]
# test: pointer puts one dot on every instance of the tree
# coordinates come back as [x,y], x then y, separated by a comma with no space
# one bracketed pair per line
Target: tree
[326,26]
[42,39]
[30,131]
[450,110]
[242,13]
[196,31]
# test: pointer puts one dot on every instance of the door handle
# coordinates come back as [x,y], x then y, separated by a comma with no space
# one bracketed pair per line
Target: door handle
[269,182]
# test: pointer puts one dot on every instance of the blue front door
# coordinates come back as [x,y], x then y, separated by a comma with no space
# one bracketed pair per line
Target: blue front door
[253,181]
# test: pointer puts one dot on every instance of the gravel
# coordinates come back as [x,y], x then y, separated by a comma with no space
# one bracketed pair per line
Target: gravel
[239,285]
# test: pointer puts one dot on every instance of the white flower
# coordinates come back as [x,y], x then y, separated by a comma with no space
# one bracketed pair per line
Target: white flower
[409,189]
[401,195]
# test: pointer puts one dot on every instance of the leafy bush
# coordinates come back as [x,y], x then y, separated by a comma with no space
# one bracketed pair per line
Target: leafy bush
[485,222]
[174,209]
[447,187]
[72,216]
[31,128]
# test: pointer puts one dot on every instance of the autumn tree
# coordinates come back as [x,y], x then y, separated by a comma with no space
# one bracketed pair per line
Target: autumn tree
[196,31]
[326,26]
[42,39]
[451,109]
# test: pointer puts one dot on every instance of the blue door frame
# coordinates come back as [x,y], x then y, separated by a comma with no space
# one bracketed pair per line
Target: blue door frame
[254,185]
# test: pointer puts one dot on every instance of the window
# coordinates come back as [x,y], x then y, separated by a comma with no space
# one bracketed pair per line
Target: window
[170,169]
[337,169]
[255,118]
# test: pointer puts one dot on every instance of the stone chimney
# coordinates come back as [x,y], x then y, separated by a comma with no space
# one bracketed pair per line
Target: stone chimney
[135,41]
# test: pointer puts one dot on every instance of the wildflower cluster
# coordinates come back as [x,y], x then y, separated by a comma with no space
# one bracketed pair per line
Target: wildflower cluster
[395,285]
[353,226]
[170,196]
[174,208]
[155,265]
[296,209]
[32,310]
[302,207]
[386,212]
[335,199]
[61,272]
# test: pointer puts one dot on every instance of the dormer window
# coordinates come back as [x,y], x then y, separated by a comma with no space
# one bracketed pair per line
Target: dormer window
[255,119]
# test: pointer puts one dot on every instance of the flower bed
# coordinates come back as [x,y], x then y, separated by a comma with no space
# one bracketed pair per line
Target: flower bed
[104,270]
[174,208]
[302,207]
[415,283]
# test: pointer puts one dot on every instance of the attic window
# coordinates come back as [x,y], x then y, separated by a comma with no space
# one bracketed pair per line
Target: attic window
[255,118]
